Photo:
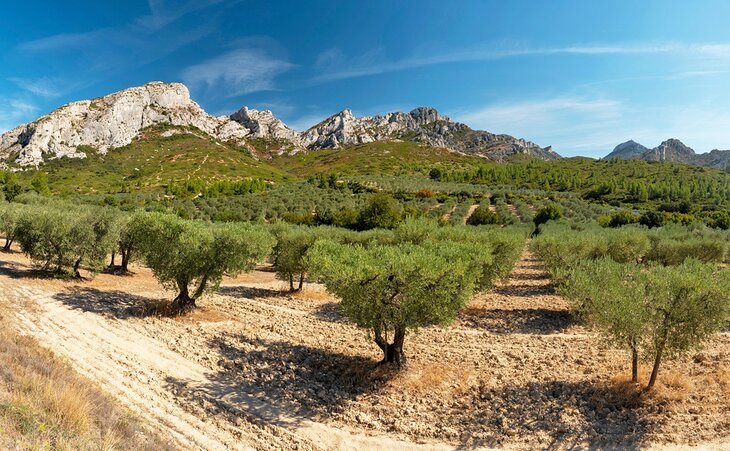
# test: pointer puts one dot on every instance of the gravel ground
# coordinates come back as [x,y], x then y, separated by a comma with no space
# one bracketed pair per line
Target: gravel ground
[255,367]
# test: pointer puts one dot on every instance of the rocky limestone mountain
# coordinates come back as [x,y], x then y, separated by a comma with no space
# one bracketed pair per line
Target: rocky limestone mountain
[673,151]
[630,150]
[111,121]
[115,120]
[263,124]
[424,125]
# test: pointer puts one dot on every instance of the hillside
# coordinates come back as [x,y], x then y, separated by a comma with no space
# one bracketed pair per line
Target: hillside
[375,158]
[159,155]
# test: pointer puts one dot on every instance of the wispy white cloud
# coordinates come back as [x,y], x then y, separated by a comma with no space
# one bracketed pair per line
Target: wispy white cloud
[42,87]
[333,65]
[164,12]
[240,71]
[141,41]
[556,121]
[13,111]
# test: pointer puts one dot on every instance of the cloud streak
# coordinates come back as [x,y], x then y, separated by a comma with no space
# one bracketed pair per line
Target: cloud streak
[240,71]
[13,111]
[334,66]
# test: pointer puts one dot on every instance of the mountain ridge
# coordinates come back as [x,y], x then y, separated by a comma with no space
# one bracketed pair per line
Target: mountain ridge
[114,120]
[671,150]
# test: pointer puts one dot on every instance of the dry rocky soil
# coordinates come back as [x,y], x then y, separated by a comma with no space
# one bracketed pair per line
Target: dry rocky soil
[257,368]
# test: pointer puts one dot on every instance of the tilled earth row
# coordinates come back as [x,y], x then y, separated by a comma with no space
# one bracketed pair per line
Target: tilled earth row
[258,368]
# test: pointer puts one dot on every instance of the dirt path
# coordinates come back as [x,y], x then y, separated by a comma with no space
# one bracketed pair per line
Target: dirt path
[469,212]
[256,368]
[137,368]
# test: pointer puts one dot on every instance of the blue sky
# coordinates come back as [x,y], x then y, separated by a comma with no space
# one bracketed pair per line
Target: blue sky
[579,75]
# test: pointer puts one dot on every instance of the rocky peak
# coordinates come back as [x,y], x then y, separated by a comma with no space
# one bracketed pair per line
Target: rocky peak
[629,150]
[426,115]
[337,130]
[672,150]
[263,124]
[345,129]
[111,121]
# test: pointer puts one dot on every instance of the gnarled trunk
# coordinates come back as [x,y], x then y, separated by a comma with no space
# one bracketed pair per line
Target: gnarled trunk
[8,244]
[392,352]
[183,302]
[111,264]
[77,266]
[301,282]
[655,370]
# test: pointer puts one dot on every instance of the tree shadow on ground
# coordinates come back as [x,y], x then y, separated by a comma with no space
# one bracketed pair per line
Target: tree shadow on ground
[116,304]
[562,415]
[277,382]
[525,290]
[244,292]
[524,321]
[527,276]
[280,382]
[329,312]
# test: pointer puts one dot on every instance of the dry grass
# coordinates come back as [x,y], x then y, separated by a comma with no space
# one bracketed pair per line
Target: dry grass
[45,404]
[435,377]
[312,294]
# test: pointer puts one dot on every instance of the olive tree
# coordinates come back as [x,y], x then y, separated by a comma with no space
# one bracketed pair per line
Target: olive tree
[390,290]
[688,303]
[288,255]
[381,211]
[9,218]
[67,237]
[189,255]
[126,243]
[483,215]
[656,312]
[612,296]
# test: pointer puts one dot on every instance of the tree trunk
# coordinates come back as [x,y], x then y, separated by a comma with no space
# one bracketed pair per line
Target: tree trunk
[77,265]
[111,265]
[291,282]
[634,366]
[126,254]
[301,282]
[8,244]
[392,352]
[183,302]
[655,370]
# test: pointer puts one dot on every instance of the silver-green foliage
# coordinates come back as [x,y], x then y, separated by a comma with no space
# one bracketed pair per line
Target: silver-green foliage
[656,312]
[66,237]
[396,288]
[191,254]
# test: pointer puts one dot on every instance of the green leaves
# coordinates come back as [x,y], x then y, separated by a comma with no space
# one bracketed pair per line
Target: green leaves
[67,236]
[181,252]
[403,286]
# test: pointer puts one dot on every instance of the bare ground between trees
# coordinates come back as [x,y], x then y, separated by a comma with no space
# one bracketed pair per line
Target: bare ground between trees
[257,368]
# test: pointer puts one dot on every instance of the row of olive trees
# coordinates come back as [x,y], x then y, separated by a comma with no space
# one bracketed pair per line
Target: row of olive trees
[656,308]
[188,256]
[61,239]
[394,281]
[389,281]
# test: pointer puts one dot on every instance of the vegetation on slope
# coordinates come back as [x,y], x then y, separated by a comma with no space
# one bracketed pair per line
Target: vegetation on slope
[152,161]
